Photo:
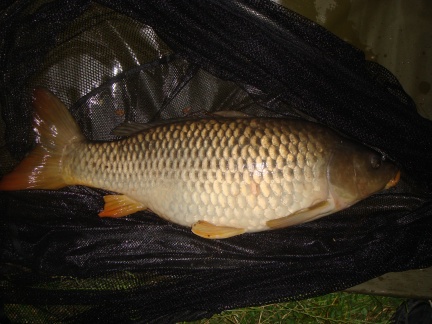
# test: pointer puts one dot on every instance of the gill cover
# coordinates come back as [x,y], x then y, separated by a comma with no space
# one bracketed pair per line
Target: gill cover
[355,172]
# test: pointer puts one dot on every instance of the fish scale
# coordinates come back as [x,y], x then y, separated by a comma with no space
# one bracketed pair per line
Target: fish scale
[231,169]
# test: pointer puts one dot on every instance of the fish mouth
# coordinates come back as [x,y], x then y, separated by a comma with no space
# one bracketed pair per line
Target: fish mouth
[393,181]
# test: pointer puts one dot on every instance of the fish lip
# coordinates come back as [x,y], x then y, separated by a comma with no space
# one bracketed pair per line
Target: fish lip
[393,181]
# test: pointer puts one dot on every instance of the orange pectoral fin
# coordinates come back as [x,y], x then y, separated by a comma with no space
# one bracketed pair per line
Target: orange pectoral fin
[302,216]
[120,205]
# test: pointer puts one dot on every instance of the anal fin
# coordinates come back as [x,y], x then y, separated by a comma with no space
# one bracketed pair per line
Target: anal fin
[302,216]
[120,205]
[210,231]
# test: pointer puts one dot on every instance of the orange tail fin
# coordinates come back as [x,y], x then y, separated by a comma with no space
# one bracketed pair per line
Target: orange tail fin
[55,128]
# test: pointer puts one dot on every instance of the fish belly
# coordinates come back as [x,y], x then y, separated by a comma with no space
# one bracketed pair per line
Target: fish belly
[229,172]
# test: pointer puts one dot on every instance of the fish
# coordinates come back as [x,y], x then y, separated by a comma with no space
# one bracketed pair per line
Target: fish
[220,176]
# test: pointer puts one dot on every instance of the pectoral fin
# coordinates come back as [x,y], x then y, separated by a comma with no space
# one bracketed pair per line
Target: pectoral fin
[120,205]
[210,231]
[302,216]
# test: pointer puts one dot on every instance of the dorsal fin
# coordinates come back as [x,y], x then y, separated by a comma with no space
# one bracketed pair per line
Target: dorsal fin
[130,128]
[231,114]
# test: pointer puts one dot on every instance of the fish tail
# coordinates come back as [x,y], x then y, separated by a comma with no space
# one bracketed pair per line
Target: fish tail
[55,129]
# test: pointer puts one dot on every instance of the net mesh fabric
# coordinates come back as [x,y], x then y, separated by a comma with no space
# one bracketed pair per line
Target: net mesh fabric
[115,61]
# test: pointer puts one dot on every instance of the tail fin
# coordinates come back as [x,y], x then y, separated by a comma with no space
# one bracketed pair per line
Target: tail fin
[55,128]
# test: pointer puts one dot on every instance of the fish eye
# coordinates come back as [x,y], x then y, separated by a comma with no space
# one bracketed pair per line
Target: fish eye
[375,161]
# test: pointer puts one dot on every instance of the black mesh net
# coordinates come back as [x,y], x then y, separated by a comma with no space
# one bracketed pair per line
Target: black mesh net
[112,61]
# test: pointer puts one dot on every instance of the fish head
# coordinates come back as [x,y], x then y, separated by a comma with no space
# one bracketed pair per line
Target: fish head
[355,172]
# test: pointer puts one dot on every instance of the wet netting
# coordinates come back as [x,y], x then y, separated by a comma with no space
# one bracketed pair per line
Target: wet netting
[112,61]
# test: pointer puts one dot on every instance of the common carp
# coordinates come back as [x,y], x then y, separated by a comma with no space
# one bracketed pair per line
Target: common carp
[221,176]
